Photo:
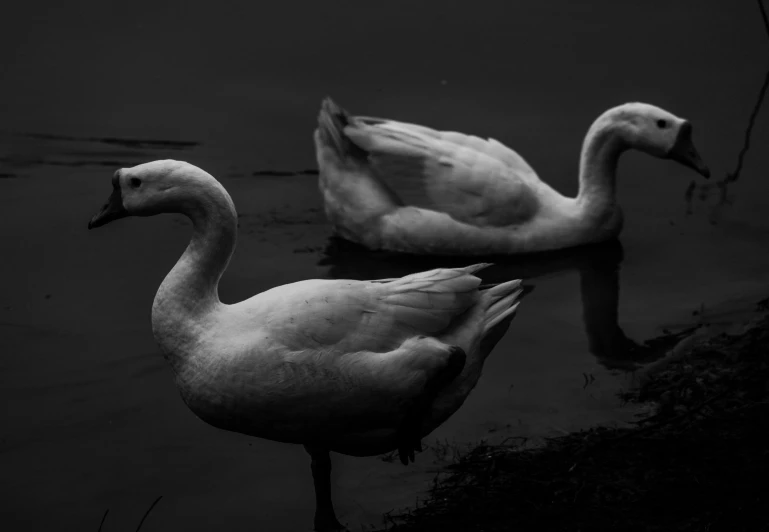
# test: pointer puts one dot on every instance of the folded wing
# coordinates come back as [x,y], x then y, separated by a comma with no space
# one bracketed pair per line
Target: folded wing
[474,180]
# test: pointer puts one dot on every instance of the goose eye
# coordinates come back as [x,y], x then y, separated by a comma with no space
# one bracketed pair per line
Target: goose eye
[136,182]
[662,124]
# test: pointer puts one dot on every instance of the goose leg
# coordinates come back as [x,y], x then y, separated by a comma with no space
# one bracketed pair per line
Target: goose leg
[325,517]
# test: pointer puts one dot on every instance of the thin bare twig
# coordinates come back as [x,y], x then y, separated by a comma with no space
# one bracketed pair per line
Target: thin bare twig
[723,185]
[752,120]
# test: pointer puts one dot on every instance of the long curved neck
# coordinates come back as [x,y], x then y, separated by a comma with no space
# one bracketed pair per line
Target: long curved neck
[603,145]
[190,290]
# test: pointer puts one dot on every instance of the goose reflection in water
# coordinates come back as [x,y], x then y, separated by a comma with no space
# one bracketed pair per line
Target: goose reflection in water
[599,273]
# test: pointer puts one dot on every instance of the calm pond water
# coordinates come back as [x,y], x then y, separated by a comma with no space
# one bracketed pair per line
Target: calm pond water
[91,419]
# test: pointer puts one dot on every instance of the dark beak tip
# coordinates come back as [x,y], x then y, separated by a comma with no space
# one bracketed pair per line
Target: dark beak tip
[112,210]
[101,219]
[97,220]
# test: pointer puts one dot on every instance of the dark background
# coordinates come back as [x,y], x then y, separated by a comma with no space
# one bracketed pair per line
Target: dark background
[90,417]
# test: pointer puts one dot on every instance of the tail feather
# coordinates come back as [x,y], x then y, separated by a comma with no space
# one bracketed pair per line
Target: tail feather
[438,274]
[332,120]
[503,301]
[429,301]
[475,268]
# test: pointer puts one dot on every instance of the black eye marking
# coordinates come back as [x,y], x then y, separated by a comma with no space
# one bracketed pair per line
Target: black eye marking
[662,124]
[136,182]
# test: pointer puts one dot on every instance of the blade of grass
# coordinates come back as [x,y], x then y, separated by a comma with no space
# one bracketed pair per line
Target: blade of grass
[148,512]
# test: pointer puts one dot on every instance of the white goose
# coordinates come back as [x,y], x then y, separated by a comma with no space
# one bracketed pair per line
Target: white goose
[408,188]
[356,367]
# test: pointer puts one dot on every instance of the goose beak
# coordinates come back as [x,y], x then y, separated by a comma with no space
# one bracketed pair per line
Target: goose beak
[685,153]
[112,210]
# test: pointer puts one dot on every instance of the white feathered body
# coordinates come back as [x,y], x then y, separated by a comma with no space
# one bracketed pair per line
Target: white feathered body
[404,187]
[334,363]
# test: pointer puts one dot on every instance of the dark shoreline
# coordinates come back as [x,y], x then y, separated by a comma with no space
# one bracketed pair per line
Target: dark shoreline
[698,462]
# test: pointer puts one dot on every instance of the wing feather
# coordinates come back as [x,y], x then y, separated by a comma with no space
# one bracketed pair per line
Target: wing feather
[474,180]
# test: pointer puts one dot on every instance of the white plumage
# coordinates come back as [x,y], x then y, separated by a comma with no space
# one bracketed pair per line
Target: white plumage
[357,367]
[405,187]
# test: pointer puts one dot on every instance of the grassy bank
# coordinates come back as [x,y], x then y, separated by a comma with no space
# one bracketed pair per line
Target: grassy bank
[700,461]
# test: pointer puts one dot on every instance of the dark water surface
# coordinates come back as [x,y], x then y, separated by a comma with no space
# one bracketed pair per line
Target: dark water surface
[91,419]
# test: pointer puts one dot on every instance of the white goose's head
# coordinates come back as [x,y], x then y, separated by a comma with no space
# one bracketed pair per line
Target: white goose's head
[655,131]
[153,188]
